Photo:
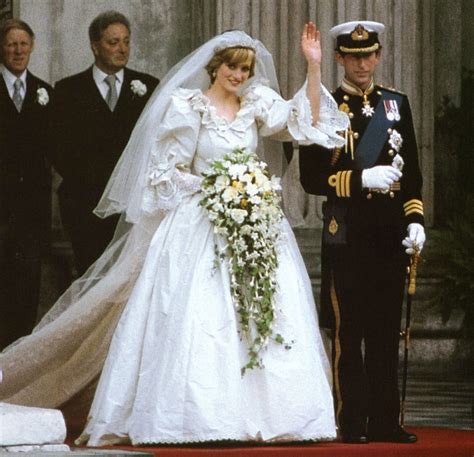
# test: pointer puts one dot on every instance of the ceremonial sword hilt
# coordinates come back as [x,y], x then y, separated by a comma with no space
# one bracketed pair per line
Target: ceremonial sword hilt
[414,259]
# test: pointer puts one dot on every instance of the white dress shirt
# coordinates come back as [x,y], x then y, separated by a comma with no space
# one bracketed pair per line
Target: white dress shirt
[10,79]
[99,78]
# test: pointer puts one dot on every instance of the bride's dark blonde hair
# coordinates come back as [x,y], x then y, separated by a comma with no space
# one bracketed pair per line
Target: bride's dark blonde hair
[231,56]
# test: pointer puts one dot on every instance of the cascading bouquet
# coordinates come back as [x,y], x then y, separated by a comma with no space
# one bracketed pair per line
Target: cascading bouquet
[243,203]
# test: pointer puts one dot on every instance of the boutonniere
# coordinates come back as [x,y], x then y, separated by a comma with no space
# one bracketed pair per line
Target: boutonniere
[138,88]
[42,96]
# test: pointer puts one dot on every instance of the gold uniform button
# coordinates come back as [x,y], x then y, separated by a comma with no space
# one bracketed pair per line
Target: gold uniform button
[379,93]
[392,194]
[356,135]
[391,152]
[346,97]
[351,115]
[369,196]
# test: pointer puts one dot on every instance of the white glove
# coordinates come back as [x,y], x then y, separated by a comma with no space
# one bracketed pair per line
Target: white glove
[380,177]
[416,237]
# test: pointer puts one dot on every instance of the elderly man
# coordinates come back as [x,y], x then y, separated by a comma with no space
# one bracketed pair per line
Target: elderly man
[25,180]
[94,114]
[373,212]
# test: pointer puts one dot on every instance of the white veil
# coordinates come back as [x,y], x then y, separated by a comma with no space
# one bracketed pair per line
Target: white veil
[124,190]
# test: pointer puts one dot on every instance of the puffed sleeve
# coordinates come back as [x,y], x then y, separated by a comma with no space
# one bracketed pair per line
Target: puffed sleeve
[169,178]
[292,120]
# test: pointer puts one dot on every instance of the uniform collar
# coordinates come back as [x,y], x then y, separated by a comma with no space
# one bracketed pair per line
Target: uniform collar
[352,89]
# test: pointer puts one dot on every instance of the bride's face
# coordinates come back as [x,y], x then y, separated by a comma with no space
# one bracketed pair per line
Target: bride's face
[230,76]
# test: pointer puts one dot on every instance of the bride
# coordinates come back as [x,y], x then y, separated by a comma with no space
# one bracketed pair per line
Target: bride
[152,329]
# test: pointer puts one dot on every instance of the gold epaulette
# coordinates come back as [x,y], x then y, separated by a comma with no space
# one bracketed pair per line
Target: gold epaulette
[391,89]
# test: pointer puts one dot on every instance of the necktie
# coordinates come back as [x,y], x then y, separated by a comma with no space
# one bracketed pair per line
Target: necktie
[17,98]
[111,98]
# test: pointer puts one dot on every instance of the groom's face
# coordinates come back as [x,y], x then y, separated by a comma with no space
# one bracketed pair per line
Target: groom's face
[359,68]
[113,49]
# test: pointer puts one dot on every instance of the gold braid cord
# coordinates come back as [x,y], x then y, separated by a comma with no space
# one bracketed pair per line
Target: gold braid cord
[414,259]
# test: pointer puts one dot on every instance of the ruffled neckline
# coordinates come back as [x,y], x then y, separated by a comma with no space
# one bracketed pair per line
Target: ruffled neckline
[212,120]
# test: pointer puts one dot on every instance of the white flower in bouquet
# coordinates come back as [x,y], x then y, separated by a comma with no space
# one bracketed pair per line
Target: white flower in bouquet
[252,189]
[237,170]
[256,199]
[222,182]
[243,203]
[260,178]
[246,230]
[276,183]
[218,207]
[246,178]
[229,194]
[238,215]
[219,230]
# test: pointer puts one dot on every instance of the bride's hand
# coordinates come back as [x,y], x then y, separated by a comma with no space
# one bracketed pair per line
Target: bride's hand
[310,44]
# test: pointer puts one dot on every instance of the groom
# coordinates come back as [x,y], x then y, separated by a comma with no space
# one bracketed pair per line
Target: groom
[94,114]
[373,212]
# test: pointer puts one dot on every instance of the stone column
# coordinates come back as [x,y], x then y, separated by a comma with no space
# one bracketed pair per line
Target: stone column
[447,39]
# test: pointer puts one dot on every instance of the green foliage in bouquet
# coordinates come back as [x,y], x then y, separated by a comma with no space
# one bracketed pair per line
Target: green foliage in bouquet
[243,203]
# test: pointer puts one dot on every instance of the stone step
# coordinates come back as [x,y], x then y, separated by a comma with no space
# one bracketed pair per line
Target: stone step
[27,426]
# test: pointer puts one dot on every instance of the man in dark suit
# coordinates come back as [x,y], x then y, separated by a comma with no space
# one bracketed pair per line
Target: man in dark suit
[373,212]
[94,114]
[25,181]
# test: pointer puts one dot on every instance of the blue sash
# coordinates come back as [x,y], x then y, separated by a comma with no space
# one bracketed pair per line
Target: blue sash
[375,136]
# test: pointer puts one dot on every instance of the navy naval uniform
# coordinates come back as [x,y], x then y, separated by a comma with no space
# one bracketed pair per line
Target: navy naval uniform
[363,260]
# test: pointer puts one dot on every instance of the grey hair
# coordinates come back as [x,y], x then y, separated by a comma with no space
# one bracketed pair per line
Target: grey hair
[12,24]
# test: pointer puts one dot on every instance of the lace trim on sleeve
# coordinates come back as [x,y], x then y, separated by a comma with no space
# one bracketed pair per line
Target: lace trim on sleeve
[168,185]
[326,131]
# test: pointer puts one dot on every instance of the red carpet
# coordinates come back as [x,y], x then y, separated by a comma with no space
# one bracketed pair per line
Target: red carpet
[432,442]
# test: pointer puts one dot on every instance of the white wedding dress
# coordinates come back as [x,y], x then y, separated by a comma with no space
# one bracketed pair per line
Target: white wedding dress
[173,371]
[155,319]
